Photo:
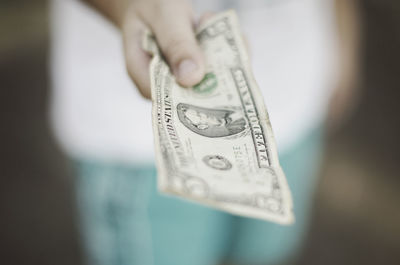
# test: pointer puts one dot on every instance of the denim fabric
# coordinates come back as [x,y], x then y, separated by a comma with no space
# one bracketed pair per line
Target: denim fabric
[124,220]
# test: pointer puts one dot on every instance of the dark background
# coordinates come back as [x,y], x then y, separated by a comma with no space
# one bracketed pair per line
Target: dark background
[356,217]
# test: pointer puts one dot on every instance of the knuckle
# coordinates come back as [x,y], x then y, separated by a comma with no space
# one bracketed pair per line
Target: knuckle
[143,89]
[144,92]
[129,69]
[178,49]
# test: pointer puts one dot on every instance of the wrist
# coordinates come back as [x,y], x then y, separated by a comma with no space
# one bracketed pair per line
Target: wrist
[116,11]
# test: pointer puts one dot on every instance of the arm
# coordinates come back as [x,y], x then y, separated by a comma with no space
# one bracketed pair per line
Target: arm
[172,23]
[348,28]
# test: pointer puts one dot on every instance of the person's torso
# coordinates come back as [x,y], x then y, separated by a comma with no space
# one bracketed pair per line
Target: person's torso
[96,110]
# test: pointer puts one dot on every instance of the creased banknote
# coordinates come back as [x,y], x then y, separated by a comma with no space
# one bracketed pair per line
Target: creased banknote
[214,142]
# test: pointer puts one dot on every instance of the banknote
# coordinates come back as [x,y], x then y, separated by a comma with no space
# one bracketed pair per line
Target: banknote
[214,143]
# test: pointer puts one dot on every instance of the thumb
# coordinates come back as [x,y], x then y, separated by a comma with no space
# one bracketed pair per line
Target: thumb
[174,32]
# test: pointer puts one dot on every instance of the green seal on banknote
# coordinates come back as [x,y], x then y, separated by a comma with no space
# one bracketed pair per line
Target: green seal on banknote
[207,85]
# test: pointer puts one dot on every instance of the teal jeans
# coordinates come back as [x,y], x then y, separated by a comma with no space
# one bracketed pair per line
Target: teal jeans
[125,221]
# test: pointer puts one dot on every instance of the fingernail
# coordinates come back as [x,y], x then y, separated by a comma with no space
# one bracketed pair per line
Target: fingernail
[186,67]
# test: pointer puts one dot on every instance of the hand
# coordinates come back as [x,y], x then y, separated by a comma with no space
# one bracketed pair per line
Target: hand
[172,22]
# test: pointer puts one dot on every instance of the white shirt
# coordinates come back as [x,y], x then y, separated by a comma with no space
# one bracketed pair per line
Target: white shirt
[96,111]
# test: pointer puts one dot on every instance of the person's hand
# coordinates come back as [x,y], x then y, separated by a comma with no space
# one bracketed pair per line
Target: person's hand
[172,23]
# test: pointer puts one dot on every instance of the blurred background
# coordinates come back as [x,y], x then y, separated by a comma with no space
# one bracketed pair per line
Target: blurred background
[356,217]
